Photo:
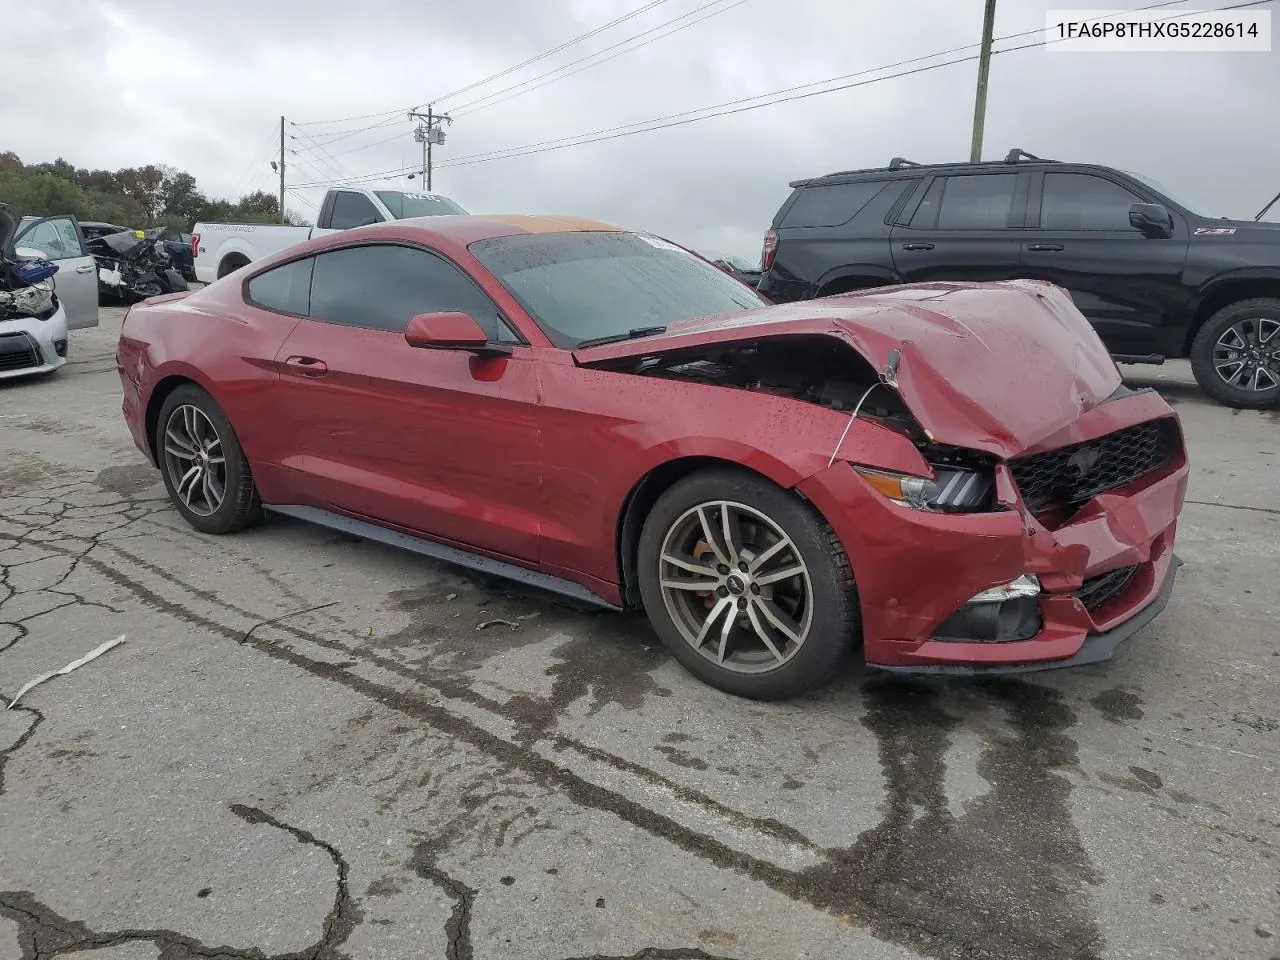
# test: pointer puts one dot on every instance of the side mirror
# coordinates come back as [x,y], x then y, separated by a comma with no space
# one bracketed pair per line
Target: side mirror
[1153,219]
[30,253]
[452,330]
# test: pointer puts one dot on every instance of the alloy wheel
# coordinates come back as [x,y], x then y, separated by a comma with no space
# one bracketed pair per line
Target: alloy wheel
[736,586]
[194,460]
[1247,355]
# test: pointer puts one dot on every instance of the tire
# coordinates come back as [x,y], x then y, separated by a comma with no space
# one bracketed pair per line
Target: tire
[189,412]
[1238,323]
[820,605]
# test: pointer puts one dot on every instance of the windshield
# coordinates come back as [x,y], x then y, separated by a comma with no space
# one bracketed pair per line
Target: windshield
[584,286]
[404,206]
[1158,187]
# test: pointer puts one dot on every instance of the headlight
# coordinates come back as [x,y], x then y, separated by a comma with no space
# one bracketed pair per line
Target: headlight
[955,490]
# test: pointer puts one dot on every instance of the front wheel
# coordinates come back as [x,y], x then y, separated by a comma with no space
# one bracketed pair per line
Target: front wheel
[1236,355]
[746,585]
[205,472]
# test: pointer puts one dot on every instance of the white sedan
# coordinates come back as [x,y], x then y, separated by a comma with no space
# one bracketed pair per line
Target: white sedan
[29,345]
[35,342]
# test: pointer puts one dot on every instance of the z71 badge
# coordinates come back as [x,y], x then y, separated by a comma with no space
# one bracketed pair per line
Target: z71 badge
[1214,231]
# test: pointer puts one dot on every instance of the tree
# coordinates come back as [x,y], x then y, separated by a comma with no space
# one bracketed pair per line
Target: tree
[132,197]
[143,185]
[179,196]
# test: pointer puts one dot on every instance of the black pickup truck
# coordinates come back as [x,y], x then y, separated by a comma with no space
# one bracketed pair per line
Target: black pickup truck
[1155,278]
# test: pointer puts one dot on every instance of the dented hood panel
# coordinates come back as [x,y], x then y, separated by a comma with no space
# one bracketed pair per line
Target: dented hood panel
[995,367]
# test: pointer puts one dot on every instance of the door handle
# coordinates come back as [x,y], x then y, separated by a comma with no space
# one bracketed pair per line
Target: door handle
[917,246]
[307,366]
[1045,247]
[86,268]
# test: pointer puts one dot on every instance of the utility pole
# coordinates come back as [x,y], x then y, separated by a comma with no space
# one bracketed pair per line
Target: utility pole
[984,67]
[282,219]
[427,134]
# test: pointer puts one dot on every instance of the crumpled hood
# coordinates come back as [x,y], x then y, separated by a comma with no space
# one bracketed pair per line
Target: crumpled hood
[996,367]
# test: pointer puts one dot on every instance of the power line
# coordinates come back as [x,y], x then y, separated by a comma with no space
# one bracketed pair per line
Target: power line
[319,149]
[542,56]
[257,159]
[346,135]
[660,123]
[293,192]
[501,73]
[376,143]
[463,109]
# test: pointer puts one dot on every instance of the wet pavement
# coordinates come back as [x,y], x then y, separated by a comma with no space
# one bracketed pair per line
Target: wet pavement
[307,747]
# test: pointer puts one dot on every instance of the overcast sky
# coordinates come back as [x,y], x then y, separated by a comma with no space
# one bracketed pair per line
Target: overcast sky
[201,86]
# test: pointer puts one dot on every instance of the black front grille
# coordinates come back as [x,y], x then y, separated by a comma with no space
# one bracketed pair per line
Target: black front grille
[17,352]
[1069,476]
[1097,591]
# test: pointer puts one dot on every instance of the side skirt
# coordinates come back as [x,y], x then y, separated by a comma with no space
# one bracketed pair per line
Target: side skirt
[440,551]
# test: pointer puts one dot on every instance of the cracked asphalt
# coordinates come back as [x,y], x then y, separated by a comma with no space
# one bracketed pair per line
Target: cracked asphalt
[306,749]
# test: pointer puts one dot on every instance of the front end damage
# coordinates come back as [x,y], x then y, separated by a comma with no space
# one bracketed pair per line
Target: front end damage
[26,285]
[33,335]
[1036,527]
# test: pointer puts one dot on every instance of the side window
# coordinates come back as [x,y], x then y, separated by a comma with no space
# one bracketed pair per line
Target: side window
[977,202]
[382,287]
[56,238]
[286,289]
[1079,201]
[831,205]
[352,210]
[926,215]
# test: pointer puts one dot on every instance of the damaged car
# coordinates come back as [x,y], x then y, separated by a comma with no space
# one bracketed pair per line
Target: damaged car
[950,475]
[33,324]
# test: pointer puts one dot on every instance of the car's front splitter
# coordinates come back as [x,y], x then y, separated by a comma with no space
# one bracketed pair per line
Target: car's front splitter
[1097,647]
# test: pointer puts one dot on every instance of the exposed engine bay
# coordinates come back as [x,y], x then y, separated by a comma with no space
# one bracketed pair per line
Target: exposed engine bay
[824,371]
[26,286]
[818,370]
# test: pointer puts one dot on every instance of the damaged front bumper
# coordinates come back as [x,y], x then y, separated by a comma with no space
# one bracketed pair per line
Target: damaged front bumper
[1102,574]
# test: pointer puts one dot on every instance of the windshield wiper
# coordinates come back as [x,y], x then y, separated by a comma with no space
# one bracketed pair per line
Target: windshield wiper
[633,334]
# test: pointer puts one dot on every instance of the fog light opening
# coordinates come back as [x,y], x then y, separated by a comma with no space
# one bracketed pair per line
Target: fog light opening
[1002,613]
[1027,585]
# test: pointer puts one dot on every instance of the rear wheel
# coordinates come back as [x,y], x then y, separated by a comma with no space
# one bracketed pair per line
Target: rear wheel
[746,585]
[1236,355]
[205,471]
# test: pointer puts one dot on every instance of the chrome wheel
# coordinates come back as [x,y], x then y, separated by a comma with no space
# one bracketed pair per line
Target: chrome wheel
[735,586]
[194,461]
[1247,355]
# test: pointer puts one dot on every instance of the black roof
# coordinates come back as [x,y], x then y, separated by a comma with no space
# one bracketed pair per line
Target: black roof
[1014,156]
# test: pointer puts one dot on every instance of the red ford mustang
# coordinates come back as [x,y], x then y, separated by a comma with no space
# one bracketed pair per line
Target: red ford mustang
[952,474]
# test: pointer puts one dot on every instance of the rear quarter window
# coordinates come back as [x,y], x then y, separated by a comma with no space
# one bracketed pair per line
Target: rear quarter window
[284,289]
[831,204]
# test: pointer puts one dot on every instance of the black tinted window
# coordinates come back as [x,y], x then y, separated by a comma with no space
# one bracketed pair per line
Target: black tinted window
[979,202]
[352,210]
[830,205]
[383,287]
[287,288]
[926,214]
[1078,201]
[584,285]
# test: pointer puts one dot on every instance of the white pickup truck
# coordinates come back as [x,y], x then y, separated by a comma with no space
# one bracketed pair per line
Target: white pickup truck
[220,248]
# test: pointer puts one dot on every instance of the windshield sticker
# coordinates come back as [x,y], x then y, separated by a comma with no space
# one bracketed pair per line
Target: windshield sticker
[421,196]
[658,242]
[1214,231]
